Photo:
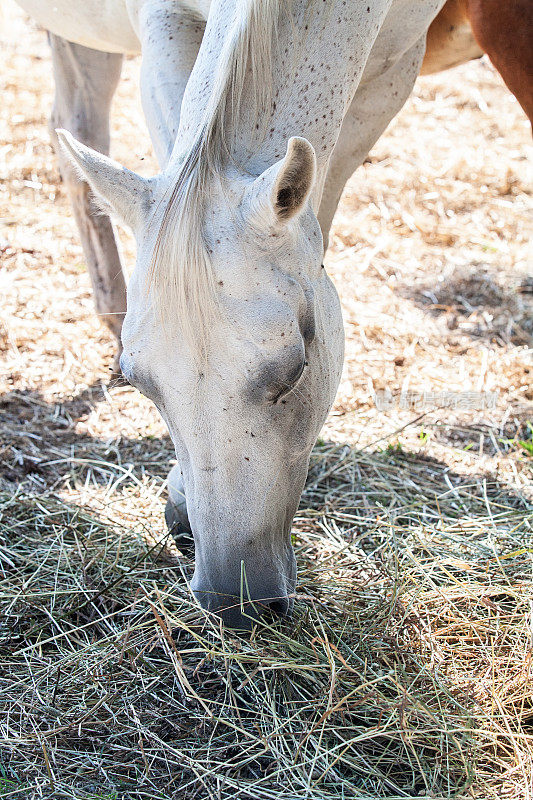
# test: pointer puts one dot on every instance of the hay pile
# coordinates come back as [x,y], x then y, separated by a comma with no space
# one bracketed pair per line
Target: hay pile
[407,669]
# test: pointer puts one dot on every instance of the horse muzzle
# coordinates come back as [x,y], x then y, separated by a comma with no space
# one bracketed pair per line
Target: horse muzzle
[248,597]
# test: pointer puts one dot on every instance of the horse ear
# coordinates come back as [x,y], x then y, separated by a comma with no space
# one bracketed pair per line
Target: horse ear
[117,189]
[282,190]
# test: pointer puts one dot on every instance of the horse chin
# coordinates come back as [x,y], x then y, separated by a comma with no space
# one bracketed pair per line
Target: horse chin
[178,526]
[176,516]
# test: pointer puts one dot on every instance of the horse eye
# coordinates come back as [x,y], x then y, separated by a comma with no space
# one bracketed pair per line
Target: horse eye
[290,385]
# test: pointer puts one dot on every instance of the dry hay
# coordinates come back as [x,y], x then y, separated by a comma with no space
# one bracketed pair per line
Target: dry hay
[407,669]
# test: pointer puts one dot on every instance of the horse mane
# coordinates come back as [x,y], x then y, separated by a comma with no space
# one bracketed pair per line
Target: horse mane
[181,276]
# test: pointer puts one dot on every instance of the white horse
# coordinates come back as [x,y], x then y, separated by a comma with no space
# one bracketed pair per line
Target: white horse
[259,111]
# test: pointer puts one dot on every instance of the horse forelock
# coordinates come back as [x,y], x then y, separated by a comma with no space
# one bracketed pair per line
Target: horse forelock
[181,278]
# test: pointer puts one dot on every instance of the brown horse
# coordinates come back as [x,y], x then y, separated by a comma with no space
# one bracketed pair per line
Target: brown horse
[503,29]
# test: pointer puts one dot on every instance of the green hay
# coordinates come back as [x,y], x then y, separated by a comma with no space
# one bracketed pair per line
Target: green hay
[406,671]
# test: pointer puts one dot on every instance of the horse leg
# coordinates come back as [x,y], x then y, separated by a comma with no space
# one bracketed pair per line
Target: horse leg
[450,40]
[85,81]
[375,103]
[170,39]
[505,32]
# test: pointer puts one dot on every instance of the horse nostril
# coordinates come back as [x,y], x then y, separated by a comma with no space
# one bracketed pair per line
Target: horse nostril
[278,607]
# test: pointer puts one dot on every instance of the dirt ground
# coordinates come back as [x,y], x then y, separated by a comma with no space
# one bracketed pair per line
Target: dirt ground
[432,255]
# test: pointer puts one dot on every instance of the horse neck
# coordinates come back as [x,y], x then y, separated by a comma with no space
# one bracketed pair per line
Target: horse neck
[318,54]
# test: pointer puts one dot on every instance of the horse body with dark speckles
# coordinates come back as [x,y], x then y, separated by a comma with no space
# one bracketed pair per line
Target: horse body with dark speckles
[259,111]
